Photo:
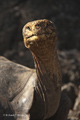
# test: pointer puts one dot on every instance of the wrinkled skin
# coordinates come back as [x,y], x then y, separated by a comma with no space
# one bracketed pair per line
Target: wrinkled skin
[33,94]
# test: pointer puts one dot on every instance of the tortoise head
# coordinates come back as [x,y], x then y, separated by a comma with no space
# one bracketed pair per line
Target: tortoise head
[36,32]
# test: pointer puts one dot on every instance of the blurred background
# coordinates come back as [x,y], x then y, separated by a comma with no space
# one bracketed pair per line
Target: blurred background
[14,14]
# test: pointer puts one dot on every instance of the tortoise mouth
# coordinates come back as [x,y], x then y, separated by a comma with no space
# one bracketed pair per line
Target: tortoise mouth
[37,38]
[37,35]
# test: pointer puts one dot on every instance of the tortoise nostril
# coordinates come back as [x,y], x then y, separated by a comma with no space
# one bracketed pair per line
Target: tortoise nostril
[37,26]
[28,28]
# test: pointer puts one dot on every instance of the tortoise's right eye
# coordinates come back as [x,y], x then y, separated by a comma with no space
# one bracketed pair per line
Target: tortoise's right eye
[28,28]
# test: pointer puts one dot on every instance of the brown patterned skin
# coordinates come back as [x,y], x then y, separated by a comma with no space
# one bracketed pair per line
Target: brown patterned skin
[34,95]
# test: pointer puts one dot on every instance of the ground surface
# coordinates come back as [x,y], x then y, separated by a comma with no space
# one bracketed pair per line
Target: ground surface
[65,14]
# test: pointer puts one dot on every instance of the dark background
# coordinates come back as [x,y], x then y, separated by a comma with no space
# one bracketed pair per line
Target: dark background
[14,14]
[64,13]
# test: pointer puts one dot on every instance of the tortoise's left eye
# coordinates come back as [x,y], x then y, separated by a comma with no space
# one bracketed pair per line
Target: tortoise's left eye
[47,25]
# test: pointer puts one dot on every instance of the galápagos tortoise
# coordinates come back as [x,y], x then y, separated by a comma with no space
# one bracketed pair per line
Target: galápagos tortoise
[33,94]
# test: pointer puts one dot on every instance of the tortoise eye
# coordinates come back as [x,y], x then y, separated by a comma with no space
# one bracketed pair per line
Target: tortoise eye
[47,25]
[28,28]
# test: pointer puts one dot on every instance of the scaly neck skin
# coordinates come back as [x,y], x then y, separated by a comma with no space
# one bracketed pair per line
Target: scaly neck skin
[49,76]
[46,62]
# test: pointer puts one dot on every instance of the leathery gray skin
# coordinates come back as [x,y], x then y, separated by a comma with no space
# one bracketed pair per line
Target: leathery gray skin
[33,94]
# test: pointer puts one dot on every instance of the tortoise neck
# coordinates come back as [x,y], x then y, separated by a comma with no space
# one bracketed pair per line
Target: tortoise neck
[45,61]
[49,76]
